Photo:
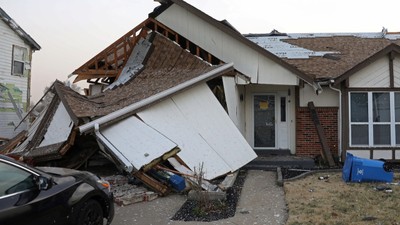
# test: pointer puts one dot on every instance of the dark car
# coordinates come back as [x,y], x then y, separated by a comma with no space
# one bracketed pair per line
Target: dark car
[49,195]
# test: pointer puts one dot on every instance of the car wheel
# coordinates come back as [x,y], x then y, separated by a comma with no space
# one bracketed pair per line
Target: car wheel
[91,213]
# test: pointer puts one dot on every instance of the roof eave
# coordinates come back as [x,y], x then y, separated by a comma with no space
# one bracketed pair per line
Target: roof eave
[19,31]
[390,48]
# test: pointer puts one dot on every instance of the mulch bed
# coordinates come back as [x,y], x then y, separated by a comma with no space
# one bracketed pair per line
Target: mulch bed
[189,210]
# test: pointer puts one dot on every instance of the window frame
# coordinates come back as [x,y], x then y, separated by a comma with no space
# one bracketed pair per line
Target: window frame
[371,123]
[22,61]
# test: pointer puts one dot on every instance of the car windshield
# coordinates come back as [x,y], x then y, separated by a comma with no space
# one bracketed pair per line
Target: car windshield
[14,179]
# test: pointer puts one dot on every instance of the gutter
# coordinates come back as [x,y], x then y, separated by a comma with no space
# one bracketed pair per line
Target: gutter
[131,109]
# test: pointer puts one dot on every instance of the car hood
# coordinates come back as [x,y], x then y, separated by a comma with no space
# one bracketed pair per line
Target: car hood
[61,171]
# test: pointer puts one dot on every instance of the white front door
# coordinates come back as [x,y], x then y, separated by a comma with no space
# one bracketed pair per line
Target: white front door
[270,121]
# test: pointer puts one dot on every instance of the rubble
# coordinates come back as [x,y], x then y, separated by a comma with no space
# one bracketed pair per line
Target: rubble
[149,111]
[126,193]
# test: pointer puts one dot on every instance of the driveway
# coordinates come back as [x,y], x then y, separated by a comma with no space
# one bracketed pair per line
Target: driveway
[262,201]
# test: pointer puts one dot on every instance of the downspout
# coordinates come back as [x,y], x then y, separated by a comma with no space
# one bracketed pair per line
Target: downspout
[152,99]
[340,119]
[317,87]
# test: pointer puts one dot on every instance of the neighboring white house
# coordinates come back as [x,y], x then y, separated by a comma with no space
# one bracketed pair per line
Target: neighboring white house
[16,48]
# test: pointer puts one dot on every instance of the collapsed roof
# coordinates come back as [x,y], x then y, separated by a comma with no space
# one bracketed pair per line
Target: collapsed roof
[167,66]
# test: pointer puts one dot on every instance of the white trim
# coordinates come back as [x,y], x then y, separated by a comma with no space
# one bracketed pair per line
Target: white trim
[370,123]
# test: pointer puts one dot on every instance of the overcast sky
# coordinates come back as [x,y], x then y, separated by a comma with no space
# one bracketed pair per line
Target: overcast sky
[71,32]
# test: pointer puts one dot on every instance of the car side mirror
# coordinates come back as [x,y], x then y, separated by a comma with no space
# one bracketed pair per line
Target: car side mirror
[44,183]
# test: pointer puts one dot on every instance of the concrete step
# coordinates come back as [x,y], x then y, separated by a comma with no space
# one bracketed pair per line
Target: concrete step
[287,161]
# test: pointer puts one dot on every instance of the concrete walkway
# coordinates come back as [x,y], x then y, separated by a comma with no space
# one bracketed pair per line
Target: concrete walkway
[261,202]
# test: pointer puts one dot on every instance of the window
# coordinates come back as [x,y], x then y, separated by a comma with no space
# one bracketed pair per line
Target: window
[14,179]
[20,57]
[374,119]
[283,109]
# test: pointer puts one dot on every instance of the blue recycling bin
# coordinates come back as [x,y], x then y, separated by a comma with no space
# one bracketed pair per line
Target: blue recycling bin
[177,182]
[357,169]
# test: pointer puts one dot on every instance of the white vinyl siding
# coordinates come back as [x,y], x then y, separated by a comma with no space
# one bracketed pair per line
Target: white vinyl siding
[18,85]
[396,71]
[135,143]
[375,75]
[198,124]
[259,68]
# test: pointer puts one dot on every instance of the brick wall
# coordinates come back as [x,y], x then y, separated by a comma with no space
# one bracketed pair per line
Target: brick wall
[307,141]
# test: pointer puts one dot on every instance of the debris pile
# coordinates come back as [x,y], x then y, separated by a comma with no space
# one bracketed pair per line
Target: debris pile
[149,109]
[126,193]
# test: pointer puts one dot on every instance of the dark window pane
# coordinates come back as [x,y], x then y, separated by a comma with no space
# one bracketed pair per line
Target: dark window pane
[381,134]
[359,107]
[283,109]
[14,179]
[264,121]
[18,68]
[381,107]
[359,135]
[398,134]
[397,106]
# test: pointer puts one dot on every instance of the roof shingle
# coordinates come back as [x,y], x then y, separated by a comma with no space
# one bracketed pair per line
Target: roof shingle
[167,65]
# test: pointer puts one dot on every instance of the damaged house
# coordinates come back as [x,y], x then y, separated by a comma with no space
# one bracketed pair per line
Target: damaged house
[184,88]
[150,101]
[309,94]
[15,75]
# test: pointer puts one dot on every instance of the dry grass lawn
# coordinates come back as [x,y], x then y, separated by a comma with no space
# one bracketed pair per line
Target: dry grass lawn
[332,201]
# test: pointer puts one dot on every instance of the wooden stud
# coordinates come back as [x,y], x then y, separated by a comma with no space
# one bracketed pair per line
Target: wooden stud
[152,183]
[326,152]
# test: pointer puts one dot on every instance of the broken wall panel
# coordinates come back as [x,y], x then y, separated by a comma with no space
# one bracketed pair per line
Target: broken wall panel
[135,141]
[31,132]
[206,115]
[196,121]
[167,119]
[60,127]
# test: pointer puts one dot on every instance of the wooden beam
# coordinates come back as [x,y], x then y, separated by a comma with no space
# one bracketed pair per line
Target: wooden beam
[11,144]
[326,152]
[152,183]
[391,69]
[100,73]
[123,45]
[85,76]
